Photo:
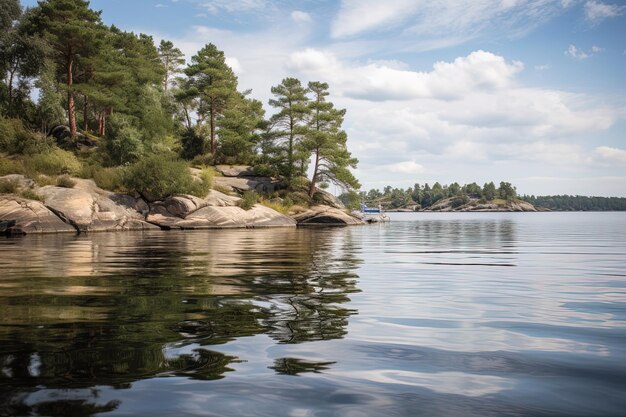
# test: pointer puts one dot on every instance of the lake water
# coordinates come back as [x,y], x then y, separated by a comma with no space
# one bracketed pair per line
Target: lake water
[477,314]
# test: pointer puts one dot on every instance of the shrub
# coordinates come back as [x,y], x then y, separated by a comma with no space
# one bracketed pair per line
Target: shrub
[55,162]
[248,200]
[123,143]
[16,139]
[30,195]
[111,179]
[43,180]
[158,176]
[202,187]
[10,166]
[192,144]
[65,181]
[202,160]
[8,186]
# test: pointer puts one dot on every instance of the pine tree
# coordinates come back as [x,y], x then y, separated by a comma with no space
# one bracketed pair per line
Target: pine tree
[327,142]
[172,60]
[73,30]
[290,121]
[212,84]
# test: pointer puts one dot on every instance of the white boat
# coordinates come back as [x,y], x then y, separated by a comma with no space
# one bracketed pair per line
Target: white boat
[372,215]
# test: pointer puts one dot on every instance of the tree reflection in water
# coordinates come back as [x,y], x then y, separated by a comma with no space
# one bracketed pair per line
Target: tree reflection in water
[103,309]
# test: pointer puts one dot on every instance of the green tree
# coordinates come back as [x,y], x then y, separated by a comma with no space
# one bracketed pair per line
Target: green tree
[73,31]
[50,112]
[212,85]
[240,130]
[489,191]
[327,142]
[290,122]
[172,60]
[506,191]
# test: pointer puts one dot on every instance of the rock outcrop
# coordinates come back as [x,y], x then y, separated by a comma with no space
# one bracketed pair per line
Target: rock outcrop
[242,184]
[474,204]
[235,170]
[326,216]
[87,208]
[21,216]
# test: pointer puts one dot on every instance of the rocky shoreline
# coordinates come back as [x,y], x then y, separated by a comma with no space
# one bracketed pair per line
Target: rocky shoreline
[88,208]
[452,204]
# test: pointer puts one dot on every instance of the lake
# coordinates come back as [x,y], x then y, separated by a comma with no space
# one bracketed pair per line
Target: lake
[433,314]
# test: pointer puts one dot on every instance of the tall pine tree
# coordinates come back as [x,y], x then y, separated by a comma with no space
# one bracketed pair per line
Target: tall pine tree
[212,85]
[327,142]
[290,122]
[73,30]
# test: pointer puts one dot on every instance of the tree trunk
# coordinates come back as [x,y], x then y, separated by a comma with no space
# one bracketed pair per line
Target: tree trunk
[290,151]
[212,121]
[71,110]
[314,177]
[101,124]
[10,86]
[85,113]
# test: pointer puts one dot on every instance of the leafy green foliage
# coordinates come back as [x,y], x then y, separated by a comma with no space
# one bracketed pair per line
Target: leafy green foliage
[55,162]
[159,176]
[577,203]
[123,143]
[248,200]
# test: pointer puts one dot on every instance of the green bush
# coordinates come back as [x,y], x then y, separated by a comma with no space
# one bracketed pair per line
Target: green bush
[65,181]
[8,186]
[123,143]
[111,179]
[10,166]
[55,162]
[30,195]
[158,176]
[248,200]
[43,180]
[16,139]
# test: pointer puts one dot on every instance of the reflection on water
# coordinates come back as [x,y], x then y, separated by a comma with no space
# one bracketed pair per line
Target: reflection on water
[433,314]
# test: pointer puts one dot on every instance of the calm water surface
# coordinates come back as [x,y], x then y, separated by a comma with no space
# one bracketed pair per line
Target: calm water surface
[479,314]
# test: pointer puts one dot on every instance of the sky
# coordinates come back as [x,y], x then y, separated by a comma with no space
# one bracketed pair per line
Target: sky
[527,91]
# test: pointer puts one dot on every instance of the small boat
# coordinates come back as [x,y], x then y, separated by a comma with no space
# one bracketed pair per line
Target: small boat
[373,215]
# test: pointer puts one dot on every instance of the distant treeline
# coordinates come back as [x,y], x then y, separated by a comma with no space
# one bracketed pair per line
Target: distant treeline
[423,196]
[577,202]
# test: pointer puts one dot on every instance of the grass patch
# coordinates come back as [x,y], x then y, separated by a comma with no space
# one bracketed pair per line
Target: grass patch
[8,186]
[43,180]
[222,189]
[65,181]
[55,162]
[248,200]
[10,166]
[30,195]
[282,207]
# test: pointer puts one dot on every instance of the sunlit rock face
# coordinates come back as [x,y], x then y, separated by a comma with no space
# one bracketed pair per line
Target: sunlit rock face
[326,216]
[19,215]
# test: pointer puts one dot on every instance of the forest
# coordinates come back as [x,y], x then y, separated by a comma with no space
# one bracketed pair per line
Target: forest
[84,99]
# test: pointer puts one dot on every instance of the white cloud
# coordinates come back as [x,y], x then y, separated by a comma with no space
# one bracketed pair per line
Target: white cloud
[160,5]
[610,155]
[299,16]
[542,67]
[576,53]
[596,11]
[405,167]
[379,81]
[455,18]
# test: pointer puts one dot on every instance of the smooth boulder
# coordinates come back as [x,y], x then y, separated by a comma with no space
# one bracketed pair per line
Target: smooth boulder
[21,216]
[326,216]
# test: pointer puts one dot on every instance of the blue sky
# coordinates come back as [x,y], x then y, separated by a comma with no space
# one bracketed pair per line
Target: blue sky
[527,91]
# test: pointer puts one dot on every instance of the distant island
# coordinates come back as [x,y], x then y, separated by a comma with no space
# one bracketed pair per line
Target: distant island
[473,197]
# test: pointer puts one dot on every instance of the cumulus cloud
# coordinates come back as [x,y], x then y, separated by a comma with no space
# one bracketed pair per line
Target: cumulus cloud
[405,167]
[380,81]
[596,11]
[230,6]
